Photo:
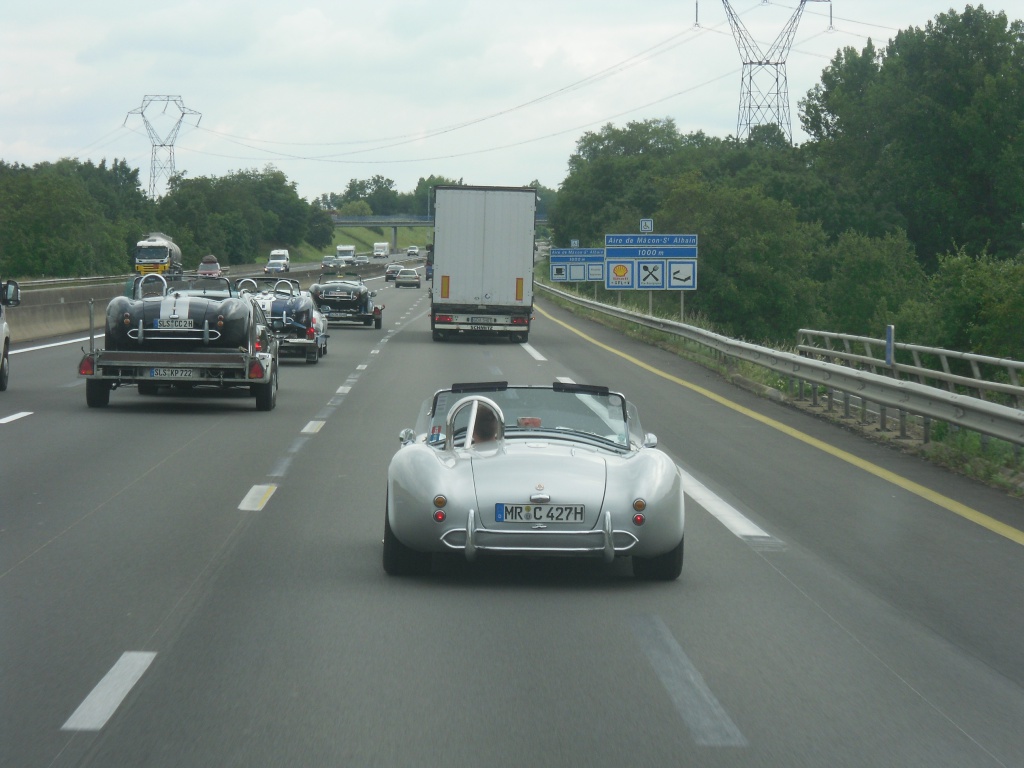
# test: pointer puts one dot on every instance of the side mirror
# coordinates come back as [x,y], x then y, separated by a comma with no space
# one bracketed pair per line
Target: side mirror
[650,440]
[11,293]
[406,436]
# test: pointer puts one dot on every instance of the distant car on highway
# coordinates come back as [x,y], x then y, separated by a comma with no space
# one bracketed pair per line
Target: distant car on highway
[391,270]
[412,250]
[407,278]
[277,264]
[209,267]
[360,260]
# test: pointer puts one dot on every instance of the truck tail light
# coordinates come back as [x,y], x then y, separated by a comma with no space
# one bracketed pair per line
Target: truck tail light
[88,366]
[520,321]
[311,332]
[442,318]
[256,370]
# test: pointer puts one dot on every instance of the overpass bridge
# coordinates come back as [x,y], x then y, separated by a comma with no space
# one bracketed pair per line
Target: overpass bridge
[396,221]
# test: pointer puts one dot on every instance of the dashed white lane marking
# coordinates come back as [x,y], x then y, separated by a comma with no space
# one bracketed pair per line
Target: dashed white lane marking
[533,353]
[343,390]
[257,498]
[93,713]
[15,417]
[707,720]
[361,367]
[313,427]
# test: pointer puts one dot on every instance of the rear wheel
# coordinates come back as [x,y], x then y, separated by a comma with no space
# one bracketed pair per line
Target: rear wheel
[313,355]
[438,336]
[400,560]
[266,394]
[665,567]
[97,393]
[5,371]
[377,322]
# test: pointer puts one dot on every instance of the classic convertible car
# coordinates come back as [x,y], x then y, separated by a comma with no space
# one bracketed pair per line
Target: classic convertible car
[294,317]
[179,314]
[565,470]
[346,299]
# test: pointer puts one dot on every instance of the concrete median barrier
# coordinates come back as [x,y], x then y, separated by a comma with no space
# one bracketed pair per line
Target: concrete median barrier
[56,311]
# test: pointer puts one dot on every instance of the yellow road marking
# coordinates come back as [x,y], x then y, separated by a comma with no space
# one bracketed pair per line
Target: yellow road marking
[968,513]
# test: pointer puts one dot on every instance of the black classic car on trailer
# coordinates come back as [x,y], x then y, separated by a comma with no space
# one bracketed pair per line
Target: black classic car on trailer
[189,333]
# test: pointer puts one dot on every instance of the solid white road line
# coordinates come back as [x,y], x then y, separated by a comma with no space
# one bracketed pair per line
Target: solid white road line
[15,417]
[93,713]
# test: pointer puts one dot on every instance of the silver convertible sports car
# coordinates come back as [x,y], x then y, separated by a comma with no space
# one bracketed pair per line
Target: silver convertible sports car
[562,470]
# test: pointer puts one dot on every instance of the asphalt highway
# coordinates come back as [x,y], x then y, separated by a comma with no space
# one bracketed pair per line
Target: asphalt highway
[187,581]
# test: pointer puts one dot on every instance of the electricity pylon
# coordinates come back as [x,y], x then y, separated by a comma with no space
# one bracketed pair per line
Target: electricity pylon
[162,158]
[764,92]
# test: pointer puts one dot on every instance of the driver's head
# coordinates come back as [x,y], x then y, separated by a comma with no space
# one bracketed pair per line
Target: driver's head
[486,426]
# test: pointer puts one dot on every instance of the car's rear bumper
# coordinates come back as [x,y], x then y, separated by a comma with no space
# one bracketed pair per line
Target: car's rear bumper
[603,541]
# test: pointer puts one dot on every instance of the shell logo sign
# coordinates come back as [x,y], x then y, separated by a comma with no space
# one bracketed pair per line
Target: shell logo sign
[620,274]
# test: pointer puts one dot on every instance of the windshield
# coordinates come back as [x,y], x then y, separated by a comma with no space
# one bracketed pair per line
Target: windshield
[572,412]
[211,287]
[151,253]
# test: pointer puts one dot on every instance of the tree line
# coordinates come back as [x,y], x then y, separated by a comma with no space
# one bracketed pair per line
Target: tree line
[905,206]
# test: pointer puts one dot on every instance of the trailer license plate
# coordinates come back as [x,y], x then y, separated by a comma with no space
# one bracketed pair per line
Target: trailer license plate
[539,513]
[174,322]
[484,320]
[171,373]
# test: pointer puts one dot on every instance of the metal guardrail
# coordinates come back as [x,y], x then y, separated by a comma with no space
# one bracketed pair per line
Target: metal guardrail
[822,345]
[999,421]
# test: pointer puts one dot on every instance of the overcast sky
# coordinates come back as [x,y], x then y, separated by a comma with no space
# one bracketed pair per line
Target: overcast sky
[483,91]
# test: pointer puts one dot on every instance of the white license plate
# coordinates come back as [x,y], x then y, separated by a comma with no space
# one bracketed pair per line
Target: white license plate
[171,373]
[174,322]
[487,320]
[539,513]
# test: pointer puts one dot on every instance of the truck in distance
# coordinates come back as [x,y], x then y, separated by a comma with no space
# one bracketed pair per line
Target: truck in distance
[157,254]
[482,261]
[381,250]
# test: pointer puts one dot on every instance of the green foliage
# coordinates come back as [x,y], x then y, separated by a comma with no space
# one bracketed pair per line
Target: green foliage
[756,258]
[932,129]
[239,217]
[982,305]
[53,224]
[869,280]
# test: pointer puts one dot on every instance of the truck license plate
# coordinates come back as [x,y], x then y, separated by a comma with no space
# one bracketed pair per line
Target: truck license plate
[174,322]
[171,373]
[539,513]
[484,320]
